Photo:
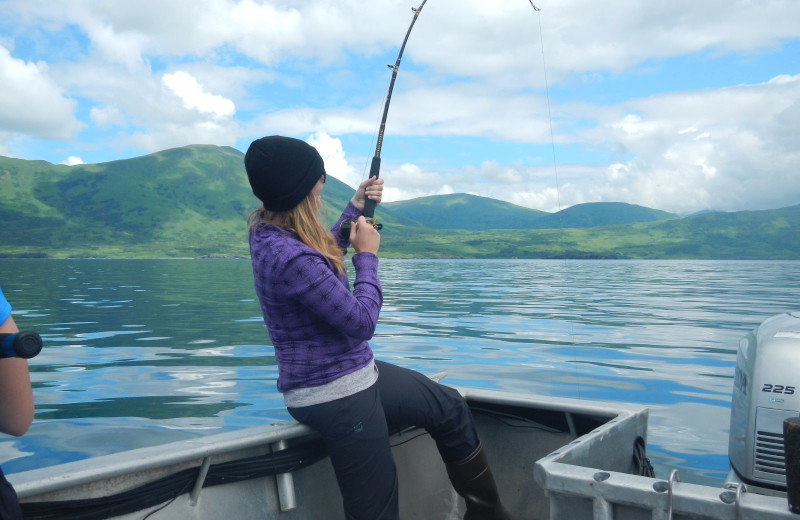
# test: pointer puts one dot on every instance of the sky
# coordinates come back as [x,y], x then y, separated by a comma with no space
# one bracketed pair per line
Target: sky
[681,106]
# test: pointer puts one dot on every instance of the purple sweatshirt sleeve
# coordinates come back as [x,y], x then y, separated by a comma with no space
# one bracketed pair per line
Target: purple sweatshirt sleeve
[318,288]
[350,211]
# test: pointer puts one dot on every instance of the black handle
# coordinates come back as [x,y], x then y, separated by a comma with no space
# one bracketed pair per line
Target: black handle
[369,204]
[24,344]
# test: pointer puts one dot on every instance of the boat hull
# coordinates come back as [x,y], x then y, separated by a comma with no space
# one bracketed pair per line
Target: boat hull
[516,432]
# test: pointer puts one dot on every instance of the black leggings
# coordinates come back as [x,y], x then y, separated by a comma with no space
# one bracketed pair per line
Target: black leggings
[355,430]
[9,506]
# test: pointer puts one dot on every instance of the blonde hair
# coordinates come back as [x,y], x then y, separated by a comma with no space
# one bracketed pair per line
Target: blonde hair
[305,220]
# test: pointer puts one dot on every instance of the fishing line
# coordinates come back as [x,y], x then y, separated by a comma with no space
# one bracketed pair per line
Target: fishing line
[555,169]
[369,205]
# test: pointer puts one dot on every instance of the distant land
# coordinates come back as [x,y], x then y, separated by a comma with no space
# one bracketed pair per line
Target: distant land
[462,211]
[193,202]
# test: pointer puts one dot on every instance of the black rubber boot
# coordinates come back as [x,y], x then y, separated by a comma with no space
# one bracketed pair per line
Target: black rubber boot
[472,479]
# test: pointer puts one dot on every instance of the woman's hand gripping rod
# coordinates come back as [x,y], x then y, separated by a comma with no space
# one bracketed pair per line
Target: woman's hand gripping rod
[369,205]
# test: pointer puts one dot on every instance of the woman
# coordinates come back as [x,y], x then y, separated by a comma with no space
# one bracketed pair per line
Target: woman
[326,369]
[16,407]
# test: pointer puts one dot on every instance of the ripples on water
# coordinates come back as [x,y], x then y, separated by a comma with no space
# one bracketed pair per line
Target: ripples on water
[142,352]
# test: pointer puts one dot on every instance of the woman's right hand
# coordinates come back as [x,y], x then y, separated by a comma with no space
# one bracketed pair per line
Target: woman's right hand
[364,238]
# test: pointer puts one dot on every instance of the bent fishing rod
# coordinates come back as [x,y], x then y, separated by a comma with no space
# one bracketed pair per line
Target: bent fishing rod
[375,166]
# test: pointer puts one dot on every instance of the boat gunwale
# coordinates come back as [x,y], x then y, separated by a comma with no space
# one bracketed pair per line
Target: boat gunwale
[72,474]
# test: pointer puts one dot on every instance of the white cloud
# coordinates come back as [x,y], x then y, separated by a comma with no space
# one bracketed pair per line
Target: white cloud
[726,149]
[333,154]
[681,151]
[171,135]
[723,148]
[105,117]
[116,47]
[470,38]
[497,41]
[194,97]
[408,181]
[152,116]
[31,102]
[454,110]
[533,187]
[73,161]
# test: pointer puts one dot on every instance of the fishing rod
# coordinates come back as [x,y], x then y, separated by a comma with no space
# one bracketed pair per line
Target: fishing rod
[375,167]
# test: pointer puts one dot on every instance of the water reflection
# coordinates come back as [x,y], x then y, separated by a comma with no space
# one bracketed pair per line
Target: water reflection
[140,352]
[151,407]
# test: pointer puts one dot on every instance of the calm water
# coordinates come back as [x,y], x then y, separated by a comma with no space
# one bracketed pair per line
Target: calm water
[143,352]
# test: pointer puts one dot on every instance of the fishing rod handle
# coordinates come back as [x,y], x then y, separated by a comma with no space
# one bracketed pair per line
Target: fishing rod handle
[24,345]
[369,204]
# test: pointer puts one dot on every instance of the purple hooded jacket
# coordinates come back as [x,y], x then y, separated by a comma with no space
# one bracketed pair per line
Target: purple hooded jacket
[318,327]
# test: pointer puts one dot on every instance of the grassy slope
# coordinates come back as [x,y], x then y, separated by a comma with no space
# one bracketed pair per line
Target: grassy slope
[462,211]
[596,214]
[193,201]
[771,234]
[172,203]
[182,202]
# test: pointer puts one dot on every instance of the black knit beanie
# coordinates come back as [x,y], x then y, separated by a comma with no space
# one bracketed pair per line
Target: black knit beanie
[282,170]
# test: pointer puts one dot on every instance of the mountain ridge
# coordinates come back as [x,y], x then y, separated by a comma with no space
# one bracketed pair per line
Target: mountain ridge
[193,201]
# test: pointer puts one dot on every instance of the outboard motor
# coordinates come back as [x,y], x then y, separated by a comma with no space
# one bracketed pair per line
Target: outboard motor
[766,390]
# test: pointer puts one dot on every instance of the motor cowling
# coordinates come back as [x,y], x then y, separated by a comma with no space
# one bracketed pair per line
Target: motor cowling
[766,391]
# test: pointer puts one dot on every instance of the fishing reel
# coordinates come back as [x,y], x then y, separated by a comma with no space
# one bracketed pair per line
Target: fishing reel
[344,229]
[20,344]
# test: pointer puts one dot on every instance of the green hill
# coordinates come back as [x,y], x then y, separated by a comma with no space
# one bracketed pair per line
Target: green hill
[183,202]
[595,214]
[193,201]
[462,211]
[471,212]
[171,203]
[754,235]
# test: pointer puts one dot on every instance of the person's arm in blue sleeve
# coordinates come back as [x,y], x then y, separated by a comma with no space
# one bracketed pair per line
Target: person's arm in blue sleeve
[16,397]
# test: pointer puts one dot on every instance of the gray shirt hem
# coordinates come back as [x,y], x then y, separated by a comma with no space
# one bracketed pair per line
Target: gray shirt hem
[344,386]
